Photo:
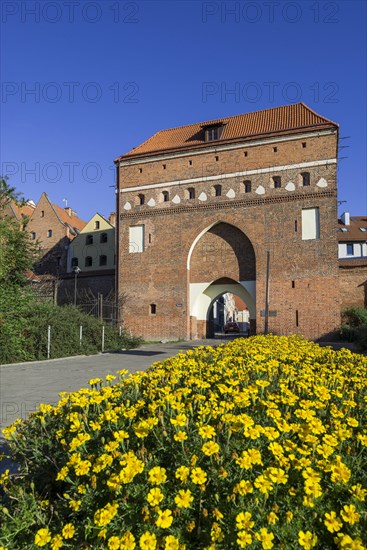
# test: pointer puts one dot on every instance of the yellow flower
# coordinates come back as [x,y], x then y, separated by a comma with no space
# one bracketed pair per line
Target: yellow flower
[243,539]
[56,542]
[307,540]
[180,436]
[207,432]
[148,541]
[198,476]
[180,420]
[127,541]
[43,536]
[266,538]
[243,488]
[171,543]
[210,448]
[155,496]
[184,498]
[114,543]
[332,522]
[157,475]
[289,516]
[182,473]
[165,519]
[349,514]
[358,492]
[272,518]
[68,531]
[244,522]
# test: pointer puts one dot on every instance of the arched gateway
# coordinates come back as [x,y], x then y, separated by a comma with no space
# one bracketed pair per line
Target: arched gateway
[221,260]
[201,207]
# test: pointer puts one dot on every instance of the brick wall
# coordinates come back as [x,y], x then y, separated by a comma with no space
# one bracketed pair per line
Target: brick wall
[53,248]
[242,228]
[353,286]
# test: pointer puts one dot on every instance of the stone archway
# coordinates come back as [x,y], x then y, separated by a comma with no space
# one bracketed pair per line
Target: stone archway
[221,259]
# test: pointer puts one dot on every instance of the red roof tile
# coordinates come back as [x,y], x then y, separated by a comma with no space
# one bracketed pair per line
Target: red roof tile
[353,230]
[72,220]
[279,120]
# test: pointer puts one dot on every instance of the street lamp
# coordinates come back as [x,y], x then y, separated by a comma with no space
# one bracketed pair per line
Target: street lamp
[76,270]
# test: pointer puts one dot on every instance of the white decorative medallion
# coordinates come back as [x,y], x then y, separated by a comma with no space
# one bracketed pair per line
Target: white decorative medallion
[203,197]
[231,194]
[260,190]
[290,186]
[322,182]
[176,199]
[127,206]
[151,202]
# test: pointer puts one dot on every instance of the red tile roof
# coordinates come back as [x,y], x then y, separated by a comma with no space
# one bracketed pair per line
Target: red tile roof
[277,121]
[72,219]
[353,230]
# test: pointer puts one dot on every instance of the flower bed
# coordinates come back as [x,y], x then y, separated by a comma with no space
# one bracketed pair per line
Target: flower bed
[258,444]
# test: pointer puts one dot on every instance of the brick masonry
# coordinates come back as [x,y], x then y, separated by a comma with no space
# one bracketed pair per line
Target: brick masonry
[353,286]
[241,227]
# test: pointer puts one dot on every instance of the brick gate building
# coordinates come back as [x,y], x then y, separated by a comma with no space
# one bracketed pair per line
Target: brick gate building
[199,207]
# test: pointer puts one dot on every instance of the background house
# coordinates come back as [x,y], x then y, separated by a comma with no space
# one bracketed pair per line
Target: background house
[90,277]
[352,252]
[54,228]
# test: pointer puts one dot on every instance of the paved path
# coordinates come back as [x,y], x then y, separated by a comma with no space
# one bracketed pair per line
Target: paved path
[23,386]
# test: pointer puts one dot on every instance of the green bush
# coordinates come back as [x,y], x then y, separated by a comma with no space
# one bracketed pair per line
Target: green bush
[355,316]
[24,333]
[354,328]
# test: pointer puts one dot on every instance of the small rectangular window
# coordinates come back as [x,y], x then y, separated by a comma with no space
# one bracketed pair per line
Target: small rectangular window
[33,235]
[136,239]
[304,145]
[140,170]
[42,213]
[49,233]
[164,166]
[153,309]
[297,318]
[310,224]
[277,182]
[190,162]
[275,149]
[245,154]
[293,284]
[217,158]
[350,249]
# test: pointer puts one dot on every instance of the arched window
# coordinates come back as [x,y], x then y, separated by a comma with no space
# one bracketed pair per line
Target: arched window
[96,225]
[88,261]
[103,260]
[33,236]
[89,239]
[217,190]
[247,186]
[305,179]
[165,196]
[103,238]
[74,262]
[141,199]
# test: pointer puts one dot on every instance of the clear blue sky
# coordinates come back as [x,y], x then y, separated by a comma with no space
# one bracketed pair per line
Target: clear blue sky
[106,75]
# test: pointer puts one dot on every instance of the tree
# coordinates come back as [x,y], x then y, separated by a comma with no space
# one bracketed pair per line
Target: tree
[17,252]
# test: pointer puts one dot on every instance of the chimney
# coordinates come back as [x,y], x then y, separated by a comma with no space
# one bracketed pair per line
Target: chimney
[345,218]
[69,211]
[112,218]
